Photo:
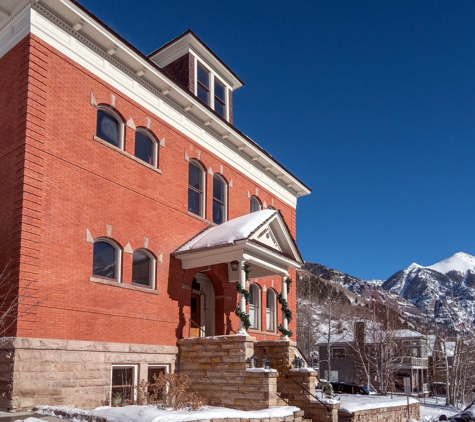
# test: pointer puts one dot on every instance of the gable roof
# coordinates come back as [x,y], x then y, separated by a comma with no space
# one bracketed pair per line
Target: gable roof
[261,237]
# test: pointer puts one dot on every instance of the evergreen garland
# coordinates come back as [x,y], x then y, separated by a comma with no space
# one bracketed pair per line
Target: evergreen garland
[242,315]
[285,309]
[288,281]
[285,332]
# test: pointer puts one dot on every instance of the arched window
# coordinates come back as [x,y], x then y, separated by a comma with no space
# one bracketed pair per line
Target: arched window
[106,259]
[254,308]
[143,268]
[196,184]
[219,199]
[110,127]
[255,204]
[270,310]
[146,148]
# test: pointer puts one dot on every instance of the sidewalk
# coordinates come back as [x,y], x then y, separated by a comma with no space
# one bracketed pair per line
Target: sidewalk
[12,417]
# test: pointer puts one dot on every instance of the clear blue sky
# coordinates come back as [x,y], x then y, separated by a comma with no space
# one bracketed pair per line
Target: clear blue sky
[369,103]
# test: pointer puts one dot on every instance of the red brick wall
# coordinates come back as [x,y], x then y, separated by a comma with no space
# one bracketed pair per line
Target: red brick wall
[74,183]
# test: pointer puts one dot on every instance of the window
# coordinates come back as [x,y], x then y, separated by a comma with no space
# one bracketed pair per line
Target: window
[153,373]
[195,189]
[219,98]
[146,148]
[109,127]
[143,268]
[255,204]
[219,199]
[270,310]
[338,352]
[123,381]
[106,259]
[203,84]
[254,314]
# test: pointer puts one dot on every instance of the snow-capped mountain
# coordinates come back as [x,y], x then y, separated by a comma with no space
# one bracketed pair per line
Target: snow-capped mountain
[444,291]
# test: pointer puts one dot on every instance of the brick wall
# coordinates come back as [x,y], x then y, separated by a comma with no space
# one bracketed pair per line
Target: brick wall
[74,183]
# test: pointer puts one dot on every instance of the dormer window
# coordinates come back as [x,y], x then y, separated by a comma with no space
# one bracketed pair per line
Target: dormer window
[203,84]
[219,98]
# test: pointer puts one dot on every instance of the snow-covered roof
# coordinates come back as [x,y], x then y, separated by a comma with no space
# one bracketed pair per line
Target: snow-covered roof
[227,233]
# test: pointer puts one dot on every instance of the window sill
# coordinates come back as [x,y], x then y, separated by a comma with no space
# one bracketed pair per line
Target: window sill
[138,160]
[269,333]
[198,217]
[122,285]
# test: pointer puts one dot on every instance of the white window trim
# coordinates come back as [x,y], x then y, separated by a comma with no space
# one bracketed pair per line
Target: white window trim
[135,368]
[256,199]
[202,213]
[272,312]
[113,113]
[153,268]
[212,76]
[225,184]
[149,135]
[118,273]
[258,318]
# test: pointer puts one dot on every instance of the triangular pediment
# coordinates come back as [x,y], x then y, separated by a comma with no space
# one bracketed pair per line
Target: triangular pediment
[266,236]
[261,237]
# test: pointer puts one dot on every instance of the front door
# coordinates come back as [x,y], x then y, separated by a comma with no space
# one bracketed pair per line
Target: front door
[195,315]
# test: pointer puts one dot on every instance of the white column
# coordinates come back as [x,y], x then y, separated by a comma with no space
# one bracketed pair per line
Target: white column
[285,323]
[242,298]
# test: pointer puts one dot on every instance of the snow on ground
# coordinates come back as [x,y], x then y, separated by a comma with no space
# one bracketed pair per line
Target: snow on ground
[152,414]
[354,402]
[433,407]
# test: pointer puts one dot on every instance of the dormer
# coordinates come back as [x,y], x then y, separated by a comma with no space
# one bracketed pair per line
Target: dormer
[192,64]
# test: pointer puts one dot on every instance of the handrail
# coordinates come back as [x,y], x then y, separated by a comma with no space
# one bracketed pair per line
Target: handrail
[230,328]
[197,326]
[287,375]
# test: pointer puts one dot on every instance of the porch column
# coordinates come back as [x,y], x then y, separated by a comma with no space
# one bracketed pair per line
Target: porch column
[242,299]
[285,323]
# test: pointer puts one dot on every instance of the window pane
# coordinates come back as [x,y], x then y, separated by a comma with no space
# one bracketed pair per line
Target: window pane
[203,76]
[143,147]
[203,94]
[218,212]
[104,260]
[255,205]
[194,176]
[218,189]
[219,90]
[122,385]
[107,128]
[219,108]
[194,201]
[141,269]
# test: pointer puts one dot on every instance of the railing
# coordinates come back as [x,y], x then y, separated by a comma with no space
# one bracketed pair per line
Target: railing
[412,362]
[202,332]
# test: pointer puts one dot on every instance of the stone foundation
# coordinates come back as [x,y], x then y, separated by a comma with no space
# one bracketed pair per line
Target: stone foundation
[70,373]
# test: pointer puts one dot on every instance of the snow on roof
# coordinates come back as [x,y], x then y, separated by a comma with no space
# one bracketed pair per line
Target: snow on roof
[236,229]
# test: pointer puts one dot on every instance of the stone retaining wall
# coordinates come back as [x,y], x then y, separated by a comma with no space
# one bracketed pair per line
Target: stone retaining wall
[218,372]
[70,373]
[386,414]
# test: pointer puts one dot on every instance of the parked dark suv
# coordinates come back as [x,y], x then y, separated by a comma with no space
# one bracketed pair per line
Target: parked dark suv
[350,388]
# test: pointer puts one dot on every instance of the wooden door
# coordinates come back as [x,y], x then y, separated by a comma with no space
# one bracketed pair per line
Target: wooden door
[195,315]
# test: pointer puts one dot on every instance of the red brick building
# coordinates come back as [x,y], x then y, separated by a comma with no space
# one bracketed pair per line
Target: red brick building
[112,165]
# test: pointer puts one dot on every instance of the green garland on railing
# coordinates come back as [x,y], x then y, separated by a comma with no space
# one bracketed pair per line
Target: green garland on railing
[242,315]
